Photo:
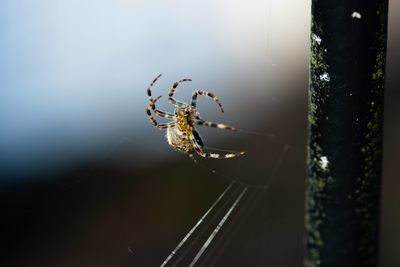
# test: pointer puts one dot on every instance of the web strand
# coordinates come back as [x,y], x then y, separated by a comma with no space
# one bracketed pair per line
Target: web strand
[245,210]
[219,226]
[201,232]
[187,236]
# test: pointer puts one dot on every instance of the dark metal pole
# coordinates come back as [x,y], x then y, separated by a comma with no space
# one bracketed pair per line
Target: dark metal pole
[347,70]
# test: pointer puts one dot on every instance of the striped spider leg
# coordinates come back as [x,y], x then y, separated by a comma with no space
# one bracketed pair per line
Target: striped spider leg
[151,106]
[150,87]
[194,96]
[160,113]
[198,146]
[196,93]
[173,101]
[202,122]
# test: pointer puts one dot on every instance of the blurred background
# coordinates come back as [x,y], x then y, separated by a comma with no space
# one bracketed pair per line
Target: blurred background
[85,180]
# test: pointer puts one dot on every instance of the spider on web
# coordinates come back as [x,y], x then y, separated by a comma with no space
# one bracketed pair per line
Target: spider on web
[181,132]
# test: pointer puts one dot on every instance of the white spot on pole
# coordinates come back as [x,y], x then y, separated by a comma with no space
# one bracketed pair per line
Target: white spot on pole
[316,38]
[323,162]
[324,77]
[356,15]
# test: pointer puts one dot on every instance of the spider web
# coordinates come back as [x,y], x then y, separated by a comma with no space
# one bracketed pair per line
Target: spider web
[247,179]
[230,210]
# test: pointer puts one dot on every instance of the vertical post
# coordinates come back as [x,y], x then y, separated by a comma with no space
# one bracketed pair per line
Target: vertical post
[347,70]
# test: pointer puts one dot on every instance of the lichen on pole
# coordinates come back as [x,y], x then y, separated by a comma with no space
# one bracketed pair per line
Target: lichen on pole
[347,71]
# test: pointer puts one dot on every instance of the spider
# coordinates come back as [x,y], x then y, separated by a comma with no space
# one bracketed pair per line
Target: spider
[181,132]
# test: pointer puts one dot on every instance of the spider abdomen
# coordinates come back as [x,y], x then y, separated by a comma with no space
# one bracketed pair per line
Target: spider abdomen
[179,140]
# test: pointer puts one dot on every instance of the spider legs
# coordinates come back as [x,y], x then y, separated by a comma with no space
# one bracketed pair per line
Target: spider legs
[153,101]
[216,125]
[154,122]
[208,155]
[172,91]
[160,113]
[205,93]
[151,86]
[198,148]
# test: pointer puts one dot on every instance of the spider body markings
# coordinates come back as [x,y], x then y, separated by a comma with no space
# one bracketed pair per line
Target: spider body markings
[181,132]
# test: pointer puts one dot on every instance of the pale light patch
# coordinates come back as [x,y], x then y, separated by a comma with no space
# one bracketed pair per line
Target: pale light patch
[323,162]
[229,156]
[169,136]
[356,15]
[221,126]
[324,77]
[316,38]
[215,156]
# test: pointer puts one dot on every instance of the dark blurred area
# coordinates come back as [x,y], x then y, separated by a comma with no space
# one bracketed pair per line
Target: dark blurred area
[87,181]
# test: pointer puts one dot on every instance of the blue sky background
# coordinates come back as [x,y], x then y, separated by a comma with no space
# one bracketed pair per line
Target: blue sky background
[73,74]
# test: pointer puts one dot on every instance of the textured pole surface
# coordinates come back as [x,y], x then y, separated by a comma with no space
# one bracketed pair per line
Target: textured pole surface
[347,68]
